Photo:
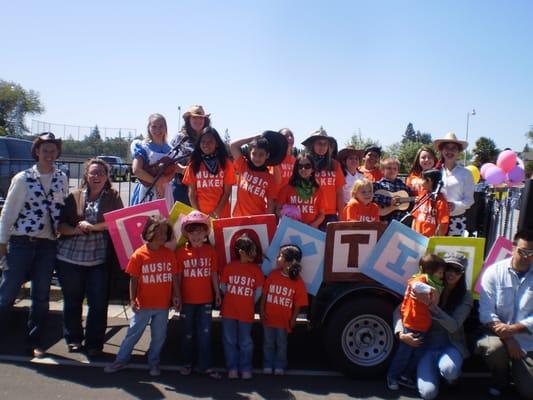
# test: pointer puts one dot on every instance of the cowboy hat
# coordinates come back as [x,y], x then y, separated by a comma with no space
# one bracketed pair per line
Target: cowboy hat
[195,111]
[277,144]
[450,138]
[195,217]
[320,134]
[45,137]
[348,151]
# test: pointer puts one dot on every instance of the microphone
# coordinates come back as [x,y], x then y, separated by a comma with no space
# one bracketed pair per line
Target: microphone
[437,190]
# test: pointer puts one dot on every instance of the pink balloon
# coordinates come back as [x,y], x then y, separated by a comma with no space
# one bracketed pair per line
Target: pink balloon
[506,160]
[516,175]
[485,167]
[494,176]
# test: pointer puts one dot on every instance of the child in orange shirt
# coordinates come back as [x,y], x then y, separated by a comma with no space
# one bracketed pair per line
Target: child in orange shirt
[153,283]
[284,293]
[303,192]
[425,159]
[256,187]
[416,317]
[198,278]
[241,283]
[432,217]
[370,167]
[210,175]
[361,208]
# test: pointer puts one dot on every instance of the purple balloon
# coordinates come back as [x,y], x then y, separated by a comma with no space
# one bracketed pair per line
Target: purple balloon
[516,175]
[486,167]
[494,176]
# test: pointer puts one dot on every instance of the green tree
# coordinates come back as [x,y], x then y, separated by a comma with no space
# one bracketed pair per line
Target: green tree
[15,104]
[359,142]
[529,135]
[484,151]
[405,153]
[410,134]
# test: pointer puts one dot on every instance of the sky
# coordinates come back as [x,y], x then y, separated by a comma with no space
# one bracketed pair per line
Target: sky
[367,67]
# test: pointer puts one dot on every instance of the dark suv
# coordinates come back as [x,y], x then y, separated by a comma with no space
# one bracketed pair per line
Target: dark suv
[15,156]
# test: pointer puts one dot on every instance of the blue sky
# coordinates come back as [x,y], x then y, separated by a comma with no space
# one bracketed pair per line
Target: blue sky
[372,66]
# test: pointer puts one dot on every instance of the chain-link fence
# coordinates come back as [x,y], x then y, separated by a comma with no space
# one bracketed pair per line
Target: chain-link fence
[76,132]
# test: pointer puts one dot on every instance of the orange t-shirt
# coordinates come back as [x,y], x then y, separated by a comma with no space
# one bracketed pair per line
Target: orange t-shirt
[330,181]
[198,264]
[359,212]
[430,215]
[253,190]
[241,281]
[209,187]
[154,270]
[282,295]
[286,167]
[372,175]
[414,182]
[415,314]
[308,208]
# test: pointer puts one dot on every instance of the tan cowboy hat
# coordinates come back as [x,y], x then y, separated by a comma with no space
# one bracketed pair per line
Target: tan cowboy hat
[320,134]
[195,111]
[45,137]
[348,151]
[450,138]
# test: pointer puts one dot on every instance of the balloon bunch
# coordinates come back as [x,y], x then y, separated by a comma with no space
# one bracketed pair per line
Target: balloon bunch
[508,169]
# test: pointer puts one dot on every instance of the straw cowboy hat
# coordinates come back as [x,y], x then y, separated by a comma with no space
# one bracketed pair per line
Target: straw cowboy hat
[450,138]
[195,111]
[45,137]
[348,151]
[320,134]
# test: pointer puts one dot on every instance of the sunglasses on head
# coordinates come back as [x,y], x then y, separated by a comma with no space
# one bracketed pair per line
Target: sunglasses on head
[47,136]
[525,252]
[305,166]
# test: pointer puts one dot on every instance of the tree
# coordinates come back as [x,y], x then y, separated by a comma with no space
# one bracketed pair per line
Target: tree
[360,143]
[529,135]
[410,134]
[485,151]
[94,140]
[15,104]
[405,153]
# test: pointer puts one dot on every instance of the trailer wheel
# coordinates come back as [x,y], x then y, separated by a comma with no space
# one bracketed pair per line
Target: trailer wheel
[359,337]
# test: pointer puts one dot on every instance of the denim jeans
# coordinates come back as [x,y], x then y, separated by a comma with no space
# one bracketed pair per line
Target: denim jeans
[180,192]
[238,344]
[445,361]
[78,281]
[34,260]
[158,319]
[197,335]
[274,347]
[404,359]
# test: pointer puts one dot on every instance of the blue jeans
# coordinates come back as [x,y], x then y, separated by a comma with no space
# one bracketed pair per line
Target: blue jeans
[445,361]
[34,260]
[238,344]
[197,319]
[274,347]
[404,359]
[180,192]
[78,281]
[158,319]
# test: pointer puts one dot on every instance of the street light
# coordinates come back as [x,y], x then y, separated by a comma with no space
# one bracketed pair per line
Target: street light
[179,118]
[468,114]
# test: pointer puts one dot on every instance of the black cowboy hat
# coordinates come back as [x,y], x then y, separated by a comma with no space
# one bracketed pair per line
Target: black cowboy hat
[45,137]
[277,144]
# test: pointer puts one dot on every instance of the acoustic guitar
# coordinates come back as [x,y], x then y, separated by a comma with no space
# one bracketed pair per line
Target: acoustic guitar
[403,197]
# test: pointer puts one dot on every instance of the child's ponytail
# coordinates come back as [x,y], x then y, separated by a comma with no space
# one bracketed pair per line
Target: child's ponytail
[292,253]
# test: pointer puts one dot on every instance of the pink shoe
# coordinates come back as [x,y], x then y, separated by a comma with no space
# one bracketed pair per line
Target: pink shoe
[233,374]
[246,375]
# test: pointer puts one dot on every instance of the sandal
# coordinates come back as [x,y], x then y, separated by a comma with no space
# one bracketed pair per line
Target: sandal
[212,374]
[185,370]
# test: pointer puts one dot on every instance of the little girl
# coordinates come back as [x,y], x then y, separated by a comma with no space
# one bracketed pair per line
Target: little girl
[303,192]
[210,175]
[241,284]
[153,282]
[432,217]
[198,278]
[361,208]
[148,152]
[284,294]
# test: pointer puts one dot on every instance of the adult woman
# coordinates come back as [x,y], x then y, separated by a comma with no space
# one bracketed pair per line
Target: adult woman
[444,344]
[145,153]
[29,222]
[425,159]
[458,183]
[350,159]
[328,173]
[82,255]
[195,120]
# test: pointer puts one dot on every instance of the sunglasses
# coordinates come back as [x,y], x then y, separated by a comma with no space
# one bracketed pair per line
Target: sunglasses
[305,166]
[47,136]
[456,271]
[525,252]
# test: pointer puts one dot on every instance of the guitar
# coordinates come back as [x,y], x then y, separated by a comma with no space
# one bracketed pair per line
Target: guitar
[402,197]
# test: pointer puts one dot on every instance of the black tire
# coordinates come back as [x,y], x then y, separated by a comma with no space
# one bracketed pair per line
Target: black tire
[359,337]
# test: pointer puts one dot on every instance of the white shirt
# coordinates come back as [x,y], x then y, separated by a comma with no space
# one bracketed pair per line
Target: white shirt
[506,298]
[348,185]
[458,188]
